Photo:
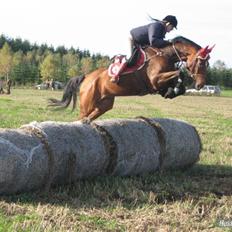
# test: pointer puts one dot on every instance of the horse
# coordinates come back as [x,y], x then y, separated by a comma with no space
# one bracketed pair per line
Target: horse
[97,92]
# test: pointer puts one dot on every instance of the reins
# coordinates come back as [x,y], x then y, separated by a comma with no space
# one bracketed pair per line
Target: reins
[159,53]
[177,54]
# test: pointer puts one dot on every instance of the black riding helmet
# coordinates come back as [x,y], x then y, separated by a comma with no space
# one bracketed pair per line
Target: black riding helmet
[171,19]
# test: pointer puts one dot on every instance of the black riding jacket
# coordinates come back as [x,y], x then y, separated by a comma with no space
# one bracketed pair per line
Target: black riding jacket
[152,35]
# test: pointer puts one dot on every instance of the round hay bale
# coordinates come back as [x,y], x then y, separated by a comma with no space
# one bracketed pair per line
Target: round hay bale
[39,155]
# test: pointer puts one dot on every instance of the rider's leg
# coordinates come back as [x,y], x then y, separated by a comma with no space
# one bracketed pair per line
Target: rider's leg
[131,45]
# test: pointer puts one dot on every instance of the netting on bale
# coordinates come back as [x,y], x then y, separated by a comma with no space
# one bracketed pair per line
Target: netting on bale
[39,155]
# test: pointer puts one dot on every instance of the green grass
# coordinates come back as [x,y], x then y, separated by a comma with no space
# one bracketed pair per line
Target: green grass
[191,200]
[226,93]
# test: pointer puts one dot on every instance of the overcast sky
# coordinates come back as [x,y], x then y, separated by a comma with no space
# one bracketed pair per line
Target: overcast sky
[102,26]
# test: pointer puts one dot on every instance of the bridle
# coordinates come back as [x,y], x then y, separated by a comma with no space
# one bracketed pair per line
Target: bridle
[195,64]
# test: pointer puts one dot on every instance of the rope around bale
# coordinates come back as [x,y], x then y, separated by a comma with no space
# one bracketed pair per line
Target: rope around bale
[110,145]
[161,137]
[42,136]
[71,167]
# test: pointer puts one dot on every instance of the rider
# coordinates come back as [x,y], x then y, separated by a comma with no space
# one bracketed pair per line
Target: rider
[153,34]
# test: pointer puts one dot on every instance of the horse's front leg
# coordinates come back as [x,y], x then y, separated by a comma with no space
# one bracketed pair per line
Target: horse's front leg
[160,80]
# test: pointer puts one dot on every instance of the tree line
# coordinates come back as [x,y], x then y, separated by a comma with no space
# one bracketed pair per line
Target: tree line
[220,75]
[26,64]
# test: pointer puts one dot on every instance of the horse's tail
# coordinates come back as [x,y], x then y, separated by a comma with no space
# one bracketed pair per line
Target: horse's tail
[70,92]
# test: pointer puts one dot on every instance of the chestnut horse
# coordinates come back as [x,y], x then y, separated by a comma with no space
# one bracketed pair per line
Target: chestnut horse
[97,92]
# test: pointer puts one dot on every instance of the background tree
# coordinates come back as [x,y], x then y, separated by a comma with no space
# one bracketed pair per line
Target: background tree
[219,64]
[50,67]
[86,65]
[17,74]
[70,62]
[73,71]
[103,62]
[5,60]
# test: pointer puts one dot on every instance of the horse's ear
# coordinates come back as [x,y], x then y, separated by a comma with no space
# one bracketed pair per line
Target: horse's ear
[204,52]
[210,49]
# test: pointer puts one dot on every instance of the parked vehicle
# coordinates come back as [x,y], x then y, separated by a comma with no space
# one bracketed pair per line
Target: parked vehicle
[42,86]
[57,85]
[208,90]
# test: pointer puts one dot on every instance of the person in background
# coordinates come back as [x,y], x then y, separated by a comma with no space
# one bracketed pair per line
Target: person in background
[1,86]
[8,86]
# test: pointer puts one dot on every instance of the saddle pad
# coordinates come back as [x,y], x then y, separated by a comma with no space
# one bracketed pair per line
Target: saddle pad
[116,68]
[119,66]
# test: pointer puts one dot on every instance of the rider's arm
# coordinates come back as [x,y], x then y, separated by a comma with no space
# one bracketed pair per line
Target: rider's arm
[156,34]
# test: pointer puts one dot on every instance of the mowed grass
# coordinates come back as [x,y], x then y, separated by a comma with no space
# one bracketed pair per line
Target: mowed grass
[196,199]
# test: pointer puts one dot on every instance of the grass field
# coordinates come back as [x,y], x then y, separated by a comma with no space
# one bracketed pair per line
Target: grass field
[198,199]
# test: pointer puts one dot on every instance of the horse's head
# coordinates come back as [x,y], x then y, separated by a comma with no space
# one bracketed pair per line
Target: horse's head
[197,66]
[196,59]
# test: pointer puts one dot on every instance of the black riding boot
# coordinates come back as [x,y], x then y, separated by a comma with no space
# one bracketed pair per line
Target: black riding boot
[170,93]
[174,92]
[134,56]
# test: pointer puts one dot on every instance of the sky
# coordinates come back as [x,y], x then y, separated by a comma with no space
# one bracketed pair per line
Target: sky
[103,26]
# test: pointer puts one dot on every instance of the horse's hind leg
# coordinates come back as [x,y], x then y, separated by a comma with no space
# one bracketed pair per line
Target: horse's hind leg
[103,105]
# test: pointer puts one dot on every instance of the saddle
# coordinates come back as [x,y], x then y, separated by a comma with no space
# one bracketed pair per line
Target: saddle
[121,65]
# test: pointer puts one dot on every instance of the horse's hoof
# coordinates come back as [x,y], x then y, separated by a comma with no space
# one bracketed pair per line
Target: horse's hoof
[86,120]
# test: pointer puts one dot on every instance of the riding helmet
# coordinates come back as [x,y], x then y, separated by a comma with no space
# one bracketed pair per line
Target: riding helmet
[171,19]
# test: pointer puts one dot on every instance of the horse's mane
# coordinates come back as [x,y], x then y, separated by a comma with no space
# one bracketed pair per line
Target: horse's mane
[185,40]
